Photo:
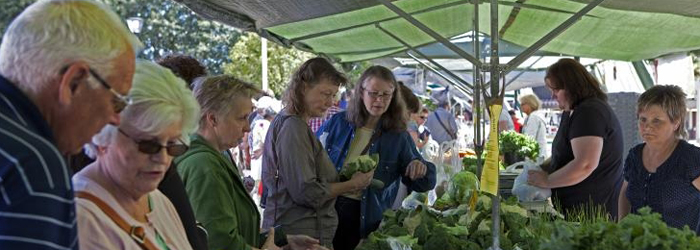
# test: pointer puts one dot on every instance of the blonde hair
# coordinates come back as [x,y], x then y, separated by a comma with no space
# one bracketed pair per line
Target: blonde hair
[217,94]
[531,100]
[159,99]
[50,34]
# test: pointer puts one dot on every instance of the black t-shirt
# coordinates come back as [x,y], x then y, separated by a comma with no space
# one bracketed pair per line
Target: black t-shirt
[591,117]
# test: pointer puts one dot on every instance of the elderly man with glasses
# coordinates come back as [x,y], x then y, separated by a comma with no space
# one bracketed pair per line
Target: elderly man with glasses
[65,67]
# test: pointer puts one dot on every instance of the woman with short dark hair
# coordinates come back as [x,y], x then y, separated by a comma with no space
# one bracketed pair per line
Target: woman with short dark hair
[663,172]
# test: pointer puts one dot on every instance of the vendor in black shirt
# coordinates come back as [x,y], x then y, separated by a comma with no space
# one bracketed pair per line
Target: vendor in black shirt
[586,164]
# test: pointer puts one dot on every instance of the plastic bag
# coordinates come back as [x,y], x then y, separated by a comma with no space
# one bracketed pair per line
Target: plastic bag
[527,192]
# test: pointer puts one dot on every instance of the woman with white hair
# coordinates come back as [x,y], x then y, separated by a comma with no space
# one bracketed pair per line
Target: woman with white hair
[534,124]
[118,205]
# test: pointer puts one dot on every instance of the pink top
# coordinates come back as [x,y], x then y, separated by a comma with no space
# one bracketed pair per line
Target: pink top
[97,231]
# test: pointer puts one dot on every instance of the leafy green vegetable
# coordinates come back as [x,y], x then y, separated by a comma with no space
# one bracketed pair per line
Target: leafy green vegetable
[462,186]
[522,145]
[362,163]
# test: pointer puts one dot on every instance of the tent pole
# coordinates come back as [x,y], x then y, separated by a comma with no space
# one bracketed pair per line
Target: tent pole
[476,104]
[441,75]
[451,79]
[523,72]
[550,36]
[495,75]
[458,87]
[430,32]
[457,78]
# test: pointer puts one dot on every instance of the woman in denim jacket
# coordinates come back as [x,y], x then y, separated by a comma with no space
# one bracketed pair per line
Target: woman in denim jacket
[375,123]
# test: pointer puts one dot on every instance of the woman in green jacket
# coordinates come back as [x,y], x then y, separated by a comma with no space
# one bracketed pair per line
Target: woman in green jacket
[212,181]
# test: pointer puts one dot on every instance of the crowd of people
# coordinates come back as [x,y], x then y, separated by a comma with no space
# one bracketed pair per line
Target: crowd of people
[175,158]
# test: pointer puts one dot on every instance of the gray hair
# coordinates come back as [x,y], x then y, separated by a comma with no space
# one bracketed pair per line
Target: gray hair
[216,94]
[159,99]
[531,100]
[50,34]
[671,99]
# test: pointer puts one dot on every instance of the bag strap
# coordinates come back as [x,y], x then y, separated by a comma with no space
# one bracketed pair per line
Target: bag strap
[452,134]
[137,233]
[374,138]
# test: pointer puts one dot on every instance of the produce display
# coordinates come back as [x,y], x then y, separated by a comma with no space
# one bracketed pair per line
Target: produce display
[364,164]
[522,145]
[452,225]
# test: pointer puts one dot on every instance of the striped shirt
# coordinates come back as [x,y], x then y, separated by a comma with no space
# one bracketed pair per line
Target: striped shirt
[37,209]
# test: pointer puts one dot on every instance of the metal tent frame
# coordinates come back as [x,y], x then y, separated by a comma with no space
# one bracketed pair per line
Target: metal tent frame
[496,71]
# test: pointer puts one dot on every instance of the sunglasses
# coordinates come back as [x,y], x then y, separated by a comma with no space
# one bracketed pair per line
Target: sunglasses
[423,117]
[153,146]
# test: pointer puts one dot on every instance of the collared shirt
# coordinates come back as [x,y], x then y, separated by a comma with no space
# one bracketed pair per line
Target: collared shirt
[299,201]
[316,123]
[37,209]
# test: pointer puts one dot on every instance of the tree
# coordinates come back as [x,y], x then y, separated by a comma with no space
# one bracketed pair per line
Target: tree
[168,28]
[246,62]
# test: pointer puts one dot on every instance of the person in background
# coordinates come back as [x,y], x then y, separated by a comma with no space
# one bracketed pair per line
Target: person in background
[441,123]
[663,173]
[585,172]
[413,107]
[259,132]
[534,124]
[375,123]
[65,69]
[131,159]
[316,122]
[516,124]
[183,66]
[213,183]
[186,68]
[505,122]
[300,178]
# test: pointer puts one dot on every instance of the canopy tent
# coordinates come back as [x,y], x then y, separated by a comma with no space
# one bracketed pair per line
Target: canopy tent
[626,30]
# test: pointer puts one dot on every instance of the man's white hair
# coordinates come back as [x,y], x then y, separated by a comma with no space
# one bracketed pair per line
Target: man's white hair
[50,34]
[159,99]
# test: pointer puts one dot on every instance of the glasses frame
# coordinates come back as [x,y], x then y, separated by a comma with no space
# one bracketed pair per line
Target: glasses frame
[120,101]
[375,95]
[140,144]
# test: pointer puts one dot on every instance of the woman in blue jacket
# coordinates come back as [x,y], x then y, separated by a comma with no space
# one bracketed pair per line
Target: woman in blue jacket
[375,122]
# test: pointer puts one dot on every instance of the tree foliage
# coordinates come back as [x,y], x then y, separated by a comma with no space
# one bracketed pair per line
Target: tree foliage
[168,28]
[246,62]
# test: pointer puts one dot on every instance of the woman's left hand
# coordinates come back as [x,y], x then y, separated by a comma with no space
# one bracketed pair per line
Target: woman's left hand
[416,170]
[538,178]
[302,242]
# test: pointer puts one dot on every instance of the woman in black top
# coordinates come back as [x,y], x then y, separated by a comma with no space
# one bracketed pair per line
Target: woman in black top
[586,164]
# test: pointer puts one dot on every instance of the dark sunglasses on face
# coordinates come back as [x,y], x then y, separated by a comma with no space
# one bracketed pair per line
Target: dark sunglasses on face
[153,147]
[423,117]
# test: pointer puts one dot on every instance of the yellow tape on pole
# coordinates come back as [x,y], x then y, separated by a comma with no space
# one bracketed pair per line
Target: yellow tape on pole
[489,175]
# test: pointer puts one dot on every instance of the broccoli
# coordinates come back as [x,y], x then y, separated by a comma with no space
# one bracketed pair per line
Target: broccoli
[375,241]
[395,231]
[442,239]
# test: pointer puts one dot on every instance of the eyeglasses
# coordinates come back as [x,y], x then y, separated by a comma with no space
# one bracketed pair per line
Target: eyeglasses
[119,101]
[153,147]
[380,95]
[423,117]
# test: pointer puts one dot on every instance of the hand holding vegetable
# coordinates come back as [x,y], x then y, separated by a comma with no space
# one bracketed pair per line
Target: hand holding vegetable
[362,180]
[416,170]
